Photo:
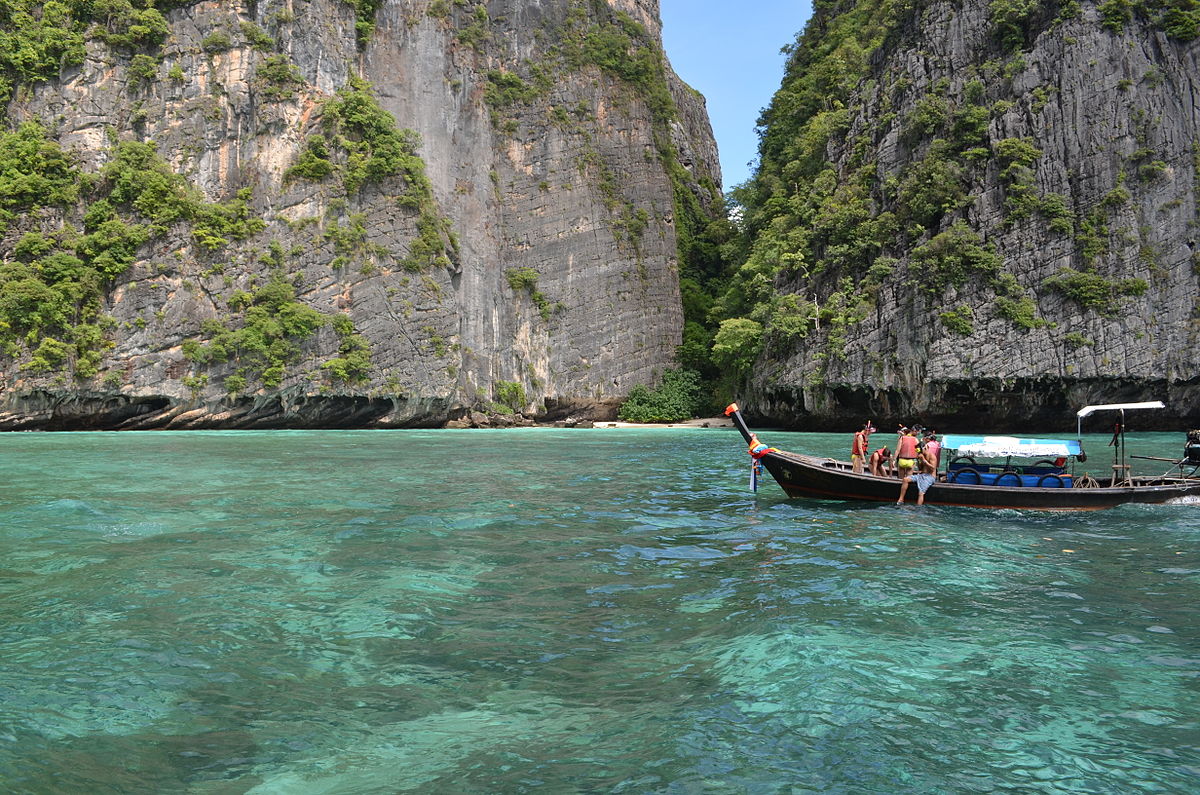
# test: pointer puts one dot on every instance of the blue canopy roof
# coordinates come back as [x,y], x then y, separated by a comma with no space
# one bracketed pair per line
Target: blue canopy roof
[1002,446]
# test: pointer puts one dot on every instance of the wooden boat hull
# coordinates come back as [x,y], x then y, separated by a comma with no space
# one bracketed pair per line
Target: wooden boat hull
[827,478]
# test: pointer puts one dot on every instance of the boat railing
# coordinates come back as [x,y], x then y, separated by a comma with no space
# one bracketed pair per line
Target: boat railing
[1042,473]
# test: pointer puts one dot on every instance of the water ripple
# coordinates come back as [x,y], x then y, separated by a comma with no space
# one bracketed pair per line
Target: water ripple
[595,612]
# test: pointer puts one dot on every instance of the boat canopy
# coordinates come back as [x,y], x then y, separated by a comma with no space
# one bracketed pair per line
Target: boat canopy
[1003,446]
[1088,411]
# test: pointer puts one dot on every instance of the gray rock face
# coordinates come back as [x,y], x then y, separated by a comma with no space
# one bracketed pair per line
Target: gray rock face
[1106,111]
[548,182]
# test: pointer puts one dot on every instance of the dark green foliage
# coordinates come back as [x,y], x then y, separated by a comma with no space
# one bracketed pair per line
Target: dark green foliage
[1092,237]
[475,34]
[1010,21]
[50,355]
[526,279]
[256,37]
[1017,156]
[140,180]
[34,172]
[143,68]
[1148,172]
[216,42]
[928,116]
[503,90]
[1093,291]
[969,128]
[37,40]
[510,394]
[932,187]
[1060,217]
[375,146]
[677,398]
[507,88]
[314,163]
[364,26]
[1077,340]
[953,256]
[277,77]
[214,225]
[31,246]
[353,362]
[52,285]
[122,24]
[737,343]
[266,339]
[960,320]
[1116,197]
[522,278]
[1116,14]
[1181,20]
[1022,311]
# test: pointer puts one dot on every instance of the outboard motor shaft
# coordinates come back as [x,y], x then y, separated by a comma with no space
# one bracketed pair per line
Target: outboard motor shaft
[1191,451]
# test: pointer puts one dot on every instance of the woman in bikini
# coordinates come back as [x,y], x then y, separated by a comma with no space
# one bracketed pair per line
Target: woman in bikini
[881,461]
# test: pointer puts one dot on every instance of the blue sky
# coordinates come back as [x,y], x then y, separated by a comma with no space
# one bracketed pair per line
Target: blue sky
[729,52]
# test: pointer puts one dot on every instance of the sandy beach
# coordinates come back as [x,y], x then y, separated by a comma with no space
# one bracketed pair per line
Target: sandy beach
[708,422]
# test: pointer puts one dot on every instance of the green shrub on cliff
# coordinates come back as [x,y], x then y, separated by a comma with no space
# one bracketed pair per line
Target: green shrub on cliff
[1010,20]
[353,361]
[510,395]
[265,339]
[361,143]
[526,279]
[953,256]
[960,320]
[737,343]
[1091,290]
[34,172]
[276,77]
[314,163]
[53,287]
[376,148]
[364,24]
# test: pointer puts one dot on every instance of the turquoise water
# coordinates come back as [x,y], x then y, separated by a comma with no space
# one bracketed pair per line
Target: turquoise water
[570,611]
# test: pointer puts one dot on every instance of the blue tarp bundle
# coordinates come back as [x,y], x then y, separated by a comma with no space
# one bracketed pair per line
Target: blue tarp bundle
[972,478]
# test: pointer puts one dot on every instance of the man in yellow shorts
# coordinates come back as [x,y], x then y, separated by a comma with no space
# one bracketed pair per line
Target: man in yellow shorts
[906,459]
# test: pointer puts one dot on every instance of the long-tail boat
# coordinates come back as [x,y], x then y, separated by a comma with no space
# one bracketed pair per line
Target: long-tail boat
[1023,473]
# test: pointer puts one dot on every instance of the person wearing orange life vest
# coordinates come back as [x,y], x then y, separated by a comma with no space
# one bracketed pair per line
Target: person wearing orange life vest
[906,459]
[860,447]
[881,461]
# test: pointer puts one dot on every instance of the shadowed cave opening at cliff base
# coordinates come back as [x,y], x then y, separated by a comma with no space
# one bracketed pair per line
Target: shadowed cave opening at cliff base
[1042,405]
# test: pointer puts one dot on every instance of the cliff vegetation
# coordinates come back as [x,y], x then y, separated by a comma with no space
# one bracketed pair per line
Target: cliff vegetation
[341,213]
[979,212]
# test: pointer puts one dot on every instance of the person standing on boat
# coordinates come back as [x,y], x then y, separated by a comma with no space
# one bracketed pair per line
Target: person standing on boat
[927,468]
[860,446]
[933,446]
[906,459]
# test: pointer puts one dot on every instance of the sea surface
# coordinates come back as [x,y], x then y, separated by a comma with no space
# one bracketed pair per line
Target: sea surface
[568,611]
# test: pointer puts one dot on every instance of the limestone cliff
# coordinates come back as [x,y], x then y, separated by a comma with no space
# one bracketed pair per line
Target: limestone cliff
[350,214]
[981,214]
